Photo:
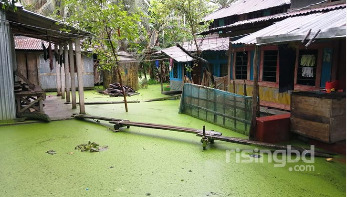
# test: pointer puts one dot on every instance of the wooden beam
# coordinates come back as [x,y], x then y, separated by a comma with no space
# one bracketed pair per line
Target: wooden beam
[67,73]
[80,75]
[229,64]
[57,69]
[62,72]
[255,96]
[72,75]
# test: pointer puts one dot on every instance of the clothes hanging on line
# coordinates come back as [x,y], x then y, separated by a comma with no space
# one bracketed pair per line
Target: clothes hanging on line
[307,72]
[308,60]
[171,64]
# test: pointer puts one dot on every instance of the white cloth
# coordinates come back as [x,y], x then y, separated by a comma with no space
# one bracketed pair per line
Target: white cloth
[307,71]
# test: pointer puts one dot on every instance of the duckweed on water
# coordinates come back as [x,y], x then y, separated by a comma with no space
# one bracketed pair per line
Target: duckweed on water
[143,161]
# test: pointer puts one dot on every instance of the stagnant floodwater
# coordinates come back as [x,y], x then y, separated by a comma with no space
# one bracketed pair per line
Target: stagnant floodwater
[146,162]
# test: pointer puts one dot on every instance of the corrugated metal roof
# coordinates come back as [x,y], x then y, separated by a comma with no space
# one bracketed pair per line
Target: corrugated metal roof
[277,16]
[7,63]
[177,54]
[330,23]
[205,44]
[208,44]
[125,56]
[27,43]
[245,6]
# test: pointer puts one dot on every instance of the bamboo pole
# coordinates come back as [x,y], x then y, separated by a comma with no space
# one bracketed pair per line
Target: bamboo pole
[80,75]
[255,96]
[67,73]
[72,75]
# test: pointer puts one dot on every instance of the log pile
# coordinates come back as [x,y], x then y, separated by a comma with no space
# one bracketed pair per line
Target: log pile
[115,90]
[19,86]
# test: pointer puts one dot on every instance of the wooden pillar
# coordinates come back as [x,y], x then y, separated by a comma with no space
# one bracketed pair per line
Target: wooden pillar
[255,96]
[80,75]
[62,72]
[161,75]
[72,75]
[57,69]
[229,65]
[67,73]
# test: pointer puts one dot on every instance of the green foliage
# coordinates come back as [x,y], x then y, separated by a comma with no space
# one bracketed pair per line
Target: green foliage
[110,24]
[5,4]
[152,82]
[222,3]
[194,11]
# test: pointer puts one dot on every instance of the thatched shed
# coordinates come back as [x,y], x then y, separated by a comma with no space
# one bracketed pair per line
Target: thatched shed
[128,66]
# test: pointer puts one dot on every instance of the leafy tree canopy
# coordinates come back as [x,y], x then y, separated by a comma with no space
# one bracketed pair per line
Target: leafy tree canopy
[109,22]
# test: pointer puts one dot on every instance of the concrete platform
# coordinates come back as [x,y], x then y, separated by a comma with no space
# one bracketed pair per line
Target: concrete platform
[55,108]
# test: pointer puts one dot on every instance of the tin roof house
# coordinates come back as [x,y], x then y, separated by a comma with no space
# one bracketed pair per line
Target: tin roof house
[21,22]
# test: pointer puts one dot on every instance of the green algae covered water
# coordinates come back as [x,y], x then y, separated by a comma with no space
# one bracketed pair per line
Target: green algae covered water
[147,162]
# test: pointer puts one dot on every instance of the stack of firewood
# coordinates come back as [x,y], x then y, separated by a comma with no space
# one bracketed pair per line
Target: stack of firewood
[115,89]
[20,86]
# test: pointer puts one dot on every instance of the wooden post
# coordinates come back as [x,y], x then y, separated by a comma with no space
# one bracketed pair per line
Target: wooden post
[62,72]
[67,73]
[72,75]
[57,69]
[229,65]
[80,75]
[255,96]
[161,76]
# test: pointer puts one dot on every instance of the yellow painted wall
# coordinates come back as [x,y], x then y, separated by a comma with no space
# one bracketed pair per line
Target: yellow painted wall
[267,94]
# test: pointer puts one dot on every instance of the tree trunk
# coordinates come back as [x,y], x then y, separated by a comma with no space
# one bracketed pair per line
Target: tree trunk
[123,91]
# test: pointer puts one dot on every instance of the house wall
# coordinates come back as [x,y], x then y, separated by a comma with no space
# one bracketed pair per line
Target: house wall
[7,63]
[129,73]
[176,79]
[218,62]
[32,65]
[330,65]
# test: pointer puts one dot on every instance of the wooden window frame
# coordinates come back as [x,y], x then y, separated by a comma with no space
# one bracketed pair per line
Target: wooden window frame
[261,70]
[249,49]
[319,47]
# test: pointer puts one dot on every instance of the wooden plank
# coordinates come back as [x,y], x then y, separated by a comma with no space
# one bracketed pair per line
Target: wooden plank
[310,117]
[310,129]
[338,107]
[211,135]
[338,129]
[105,103]
[31,104]
[32,68]
[311,105]
[22,64]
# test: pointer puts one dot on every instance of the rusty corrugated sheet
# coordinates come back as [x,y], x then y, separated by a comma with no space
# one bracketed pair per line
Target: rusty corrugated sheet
[27,43]
[7,100]
[331,25]
[245,6]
